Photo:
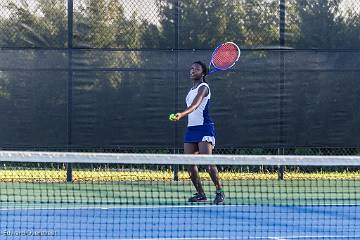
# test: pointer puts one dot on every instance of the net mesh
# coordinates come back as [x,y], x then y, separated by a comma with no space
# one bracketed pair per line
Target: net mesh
[225,56]
[136,196]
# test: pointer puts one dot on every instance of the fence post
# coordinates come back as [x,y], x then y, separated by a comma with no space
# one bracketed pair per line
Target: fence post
[282,22]
[282,28]
[176,92]
[70,83]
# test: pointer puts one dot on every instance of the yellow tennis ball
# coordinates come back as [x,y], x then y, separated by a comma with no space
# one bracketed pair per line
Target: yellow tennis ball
[172,117]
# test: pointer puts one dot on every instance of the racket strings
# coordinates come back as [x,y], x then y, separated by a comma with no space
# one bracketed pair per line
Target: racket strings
[225,56]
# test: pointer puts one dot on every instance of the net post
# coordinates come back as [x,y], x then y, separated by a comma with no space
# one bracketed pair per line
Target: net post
[69,172]
[175,167]
[176,172]
[281,168]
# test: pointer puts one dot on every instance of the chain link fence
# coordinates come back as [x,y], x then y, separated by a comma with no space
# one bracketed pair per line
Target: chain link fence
[180,24]
[134,28]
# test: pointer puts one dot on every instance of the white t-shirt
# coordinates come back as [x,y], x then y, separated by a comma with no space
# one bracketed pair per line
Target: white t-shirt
[199,116]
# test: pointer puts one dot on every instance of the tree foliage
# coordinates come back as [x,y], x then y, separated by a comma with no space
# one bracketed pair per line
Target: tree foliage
[108,24]
[199,24]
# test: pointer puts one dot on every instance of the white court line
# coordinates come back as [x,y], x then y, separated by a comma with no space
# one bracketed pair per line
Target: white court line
[196,238]
[199,238]
[117,207]
[171,206]
[310,236]
[222,238]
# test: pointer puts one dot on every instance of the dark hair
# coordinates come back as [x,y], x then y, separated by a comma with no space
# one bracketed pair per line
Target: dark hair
[204,68]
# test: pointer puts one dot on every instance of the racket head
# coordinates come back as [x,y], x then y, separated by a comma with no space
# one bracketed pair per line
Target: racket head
[225,56]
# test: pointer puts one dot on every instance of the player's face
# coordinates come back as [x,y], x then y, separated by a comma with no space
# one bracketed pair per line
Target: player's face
[196,72]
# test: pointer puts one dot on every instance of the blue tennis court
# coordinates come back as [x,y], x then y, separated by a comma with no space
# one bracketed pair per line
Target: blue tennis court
[184,222]
[99,100]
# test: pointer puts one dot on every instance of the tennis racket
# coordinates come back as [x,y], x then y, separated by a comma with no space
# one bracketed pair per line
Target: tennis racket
[224,57]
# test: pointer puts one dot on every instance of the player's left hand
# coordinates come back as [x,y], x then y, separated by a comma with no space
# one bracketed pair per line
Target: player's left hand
[178,116]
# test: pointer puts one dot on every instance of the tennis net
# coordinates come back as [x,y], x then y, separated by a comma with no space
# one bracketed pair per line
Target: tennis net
[53,195]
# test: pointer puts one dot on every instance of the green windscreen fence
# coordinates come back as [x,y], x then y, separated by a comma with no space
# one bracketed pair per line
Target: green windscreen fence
[106,74]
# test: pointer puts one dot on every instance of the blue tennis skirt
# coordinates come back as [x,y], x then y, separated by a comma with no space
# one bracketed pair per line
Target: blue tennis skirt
[200,133]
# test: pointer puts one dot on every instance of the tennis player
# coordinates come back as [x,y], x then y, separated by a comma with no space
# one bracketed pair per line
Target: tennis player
[200,133]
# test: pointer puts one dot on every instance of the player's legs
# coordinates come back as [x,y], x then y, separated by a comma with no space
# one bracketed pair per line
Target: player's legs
[192,148]
[206,148]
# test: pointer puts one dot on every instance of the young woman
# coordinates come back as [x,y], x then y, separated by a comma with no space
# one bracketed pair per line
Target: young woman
[200,133]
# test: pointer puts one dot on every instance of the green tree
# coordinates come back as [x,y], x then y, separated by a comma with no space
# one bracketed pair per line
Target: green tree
[204,24]
[352,32]
[34,24]
[261,23]
[43,24]
[321,24]
[292,23]
[103,24]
